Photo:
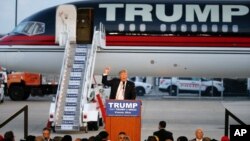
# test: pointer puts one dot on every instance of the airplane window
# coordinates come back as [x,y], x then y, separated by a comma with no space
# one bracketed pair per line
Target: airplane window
[19,27]
[214,28]
[121,27]
[224,28]
[142,27]
[173,27]
[30,28]
[163,27]
[132,27]
[235,28]
[39,28]
[194,28]
[204,28]
[183,28]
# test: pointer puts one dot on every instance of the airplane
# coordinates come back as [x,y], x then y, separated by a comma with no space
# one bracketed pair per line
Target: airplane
[207,38]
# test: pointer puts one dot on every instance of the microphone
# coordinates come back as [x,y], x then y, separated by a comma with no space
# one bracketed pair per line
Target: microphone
[123,85]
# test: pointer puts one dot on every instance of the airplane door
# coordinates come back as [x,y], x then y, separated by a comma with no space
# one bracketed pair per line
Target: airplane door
[65,23]
[84,25]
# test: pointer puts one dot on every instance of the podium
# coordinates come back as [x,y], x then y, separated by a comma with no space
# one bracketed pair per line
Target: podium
[123,116]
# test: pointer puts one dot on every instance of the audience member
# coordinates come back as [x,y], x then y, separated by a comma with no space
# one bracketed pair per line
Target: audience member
[126,138]
[163,134]
[46,134]
[225,138]
[57,138]
[121,136]
[31,138]
[157,139]
[92,138]
[182,138]
[206,139]
[151,138]
[39,138]
[198,135]
[1,138]
[78,139]
[103,135]
[66,138]
[9,136]
[84,139]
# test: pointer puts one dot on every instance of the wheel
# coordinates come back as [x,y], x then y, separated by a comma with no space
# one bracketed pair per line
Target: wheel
[140,91]
[16,93]
[26,96]
[172,90]
[212,91]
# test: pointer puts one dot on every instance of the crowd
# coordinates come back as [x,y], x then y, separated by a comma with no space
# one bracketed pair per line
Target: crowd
[161,135]
[46,136]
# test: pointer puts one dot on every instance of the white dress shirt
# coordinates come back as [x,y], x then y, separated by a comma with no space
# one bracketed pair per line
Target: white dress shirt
[120,91]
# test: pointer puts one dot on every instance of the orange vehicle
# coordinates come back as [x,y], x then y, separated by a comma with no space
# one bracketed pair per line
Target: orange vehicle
[23,84]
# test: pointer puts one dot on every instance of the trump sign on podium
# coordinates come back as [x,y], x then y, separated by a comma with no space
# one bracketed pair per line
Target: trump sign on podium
[123,108]
[123,115]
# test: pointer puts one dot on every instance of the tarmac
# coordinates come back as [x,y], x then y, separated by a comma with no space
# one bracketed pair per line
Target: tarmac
[182,114]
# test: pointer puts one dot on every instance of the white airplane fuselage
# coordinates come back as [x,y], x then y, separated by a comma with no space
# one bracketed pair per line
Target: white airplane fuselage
[203,62]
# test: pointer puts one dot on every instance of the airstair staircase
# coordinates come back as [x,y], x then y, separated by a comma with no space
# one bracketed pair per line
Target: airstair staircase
[75,81]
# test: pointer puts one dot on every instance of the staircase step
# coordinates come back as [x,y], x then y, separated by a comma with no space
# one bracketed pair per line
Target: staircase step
[71,99]
[81,50]
[83,54]
[68,117]
[73,87]
[79,58]
[79,62]
[75,74]
[72,91]
[72,95]
[76,70]
[70,113]
[69,108]
[70,104]
[82,46]
[78,65]
[74,82]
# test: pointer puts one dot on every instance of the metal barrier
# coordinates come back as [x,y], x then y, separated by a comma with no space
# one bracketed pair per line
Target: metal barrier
[25,110]
[227,115]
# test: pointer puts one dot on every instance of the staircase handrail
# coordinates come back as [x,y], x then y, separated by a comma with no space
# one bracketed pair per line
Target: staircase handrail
[97,41]
[25,111]
[230,114]
[67,46]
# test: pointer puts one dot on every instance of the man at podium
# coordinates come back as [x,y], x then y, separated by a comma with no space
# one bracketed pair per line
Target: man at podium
[121,88]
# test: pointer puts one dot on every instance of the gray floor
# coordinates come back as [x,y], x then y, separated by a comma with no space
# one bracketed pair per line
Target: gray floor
[183,115]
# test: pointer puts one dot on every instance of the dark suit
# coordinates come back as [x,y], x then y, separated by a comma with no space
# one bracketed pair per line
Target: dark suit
[48,140]
[114,84]
[162,134]
[194,139]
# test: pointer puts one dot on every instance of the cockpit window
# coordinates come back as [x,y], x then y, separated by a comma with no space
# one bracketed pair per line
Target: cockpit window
[30,28]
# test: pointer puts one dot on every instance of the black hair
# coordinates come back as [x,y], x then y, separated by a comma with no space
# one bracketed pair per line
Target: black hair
[162,124]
